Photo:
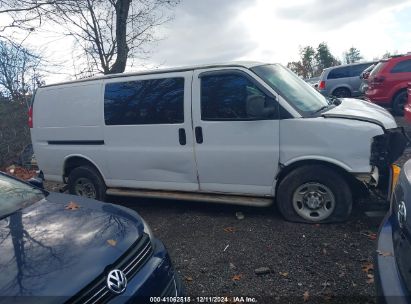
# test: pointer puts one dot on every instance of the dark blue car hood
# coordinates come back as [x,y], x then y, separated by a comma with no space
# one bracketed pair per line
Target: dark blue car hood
[46,250]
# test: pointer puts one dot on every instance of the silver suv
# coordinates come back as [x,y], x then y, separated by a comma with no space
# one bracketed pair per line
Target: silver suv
[342,80]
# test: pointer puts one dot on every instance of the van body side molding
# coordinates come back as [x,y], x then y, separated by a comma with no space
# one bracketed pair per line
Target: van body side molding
[77,142]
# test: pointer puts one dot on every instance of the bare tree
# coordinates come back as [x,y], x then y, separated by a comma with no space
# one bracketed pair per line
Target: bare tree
[19,71]
[108,32]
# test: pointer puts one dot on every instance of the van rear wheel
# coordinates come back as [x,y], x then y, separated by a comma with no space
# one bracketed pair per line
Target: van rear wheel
[85,181]
[341,93]
[314,194]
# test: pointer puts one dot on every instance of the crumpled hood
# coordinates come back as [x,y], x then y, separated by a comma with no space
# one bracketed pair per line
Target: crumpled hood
[46,250]
[359,109]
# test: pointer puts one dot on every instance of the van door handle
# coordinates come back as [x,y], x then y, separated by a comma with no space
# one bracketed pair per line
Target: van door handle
[182,136]
[199,135]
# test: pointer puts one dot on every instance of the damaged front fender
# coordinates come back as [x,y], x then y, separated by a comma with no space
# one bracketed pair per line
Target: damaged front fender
[388,147]
[385,150]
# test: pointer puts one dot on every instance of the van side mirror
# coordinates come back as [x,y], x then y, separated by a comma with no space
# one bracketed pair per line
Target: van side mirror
[256,107]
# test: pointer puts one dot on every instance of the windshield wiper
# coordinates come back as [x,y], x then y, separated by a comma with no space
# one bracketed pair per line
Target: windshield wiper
[321,109]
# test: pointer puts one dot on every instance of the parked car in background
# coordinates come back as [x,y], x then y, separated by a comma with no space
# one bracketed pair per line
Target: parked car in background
[313,81]
[342,80]
[238,133]
[393,263]
[364,78]
[72,249]
[407,108]
[387,83]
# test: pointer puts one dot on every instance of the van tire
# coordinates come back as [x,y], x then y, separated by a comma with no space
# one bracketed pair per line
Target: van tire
[399,102]
[314,176]
[86,177]
[341,93]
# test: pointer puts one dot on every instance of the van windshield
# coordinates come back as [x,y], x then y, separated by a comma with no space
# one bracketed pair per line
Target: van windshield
[304,98]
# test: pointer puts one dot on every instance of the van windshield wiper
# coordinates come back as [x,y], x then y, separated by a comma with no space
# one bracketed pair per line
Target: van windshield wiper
[321,109]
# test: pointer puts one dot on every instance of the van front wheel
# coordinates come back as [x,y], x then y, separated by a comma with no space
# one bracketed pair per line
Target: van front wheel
[314,194]
[85,181]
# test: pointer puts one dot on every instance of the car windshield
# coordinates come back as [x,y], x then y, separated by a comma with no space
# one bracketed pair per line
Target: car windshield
[15,195]
[304,98]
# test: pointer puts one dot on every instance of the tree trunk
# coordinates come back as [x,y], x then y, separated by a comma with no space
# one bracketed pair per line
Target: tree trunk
[122,9]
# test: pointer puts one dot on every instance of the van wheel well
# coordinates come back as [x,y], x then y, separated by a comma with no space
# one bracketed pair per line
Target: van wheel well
[75,162]
[341,92]
[358,188]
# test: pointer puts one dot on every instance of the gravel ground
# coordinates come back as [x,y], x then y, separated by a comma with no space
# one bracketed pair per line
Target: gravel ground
[217,254]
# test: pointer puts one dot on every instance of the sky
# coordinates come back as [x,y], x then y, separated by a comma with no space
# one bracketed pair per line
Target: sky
[210,31]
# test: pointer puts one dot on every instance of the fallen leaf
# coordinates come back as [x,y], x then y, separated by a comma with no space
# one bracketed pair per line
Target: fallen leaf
[384,253]
[229,229]
[72,206]
[367,267]
[237,277]
[112,242]
[189,279]
[306,296]
[372,236]
[284,274]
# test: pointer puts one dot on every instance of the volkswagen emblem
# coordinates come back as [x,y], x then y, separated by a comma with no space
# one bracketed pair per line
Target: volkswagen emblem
[402,214]
[116,281]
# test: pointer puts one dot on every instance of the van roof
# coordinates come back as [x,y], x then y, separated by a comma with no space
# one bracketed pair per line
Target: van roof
[351,64]
[243,64]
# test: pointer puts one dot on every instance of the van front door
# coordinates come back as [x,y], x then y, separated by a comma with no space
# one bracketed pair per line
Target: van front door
[236,132]
[148,133]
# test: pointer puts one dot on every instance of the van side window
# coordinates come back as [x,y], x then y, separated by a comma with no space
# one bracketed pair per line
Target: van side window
[230,97]
[339,73]
[356,70]
[402,67]
[154,101]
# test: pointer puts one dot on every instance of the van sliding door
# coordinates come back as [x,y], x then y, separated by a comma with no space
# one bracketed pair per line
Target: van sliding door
[148,132]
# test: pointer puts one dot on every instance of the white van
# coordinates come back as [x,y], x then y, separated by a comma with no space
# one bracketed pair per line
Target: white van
[241,133]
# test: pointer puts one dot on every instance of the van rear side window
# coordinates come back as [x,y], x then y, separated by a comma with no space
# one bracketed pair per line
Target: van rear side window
[141,102]
[339,73]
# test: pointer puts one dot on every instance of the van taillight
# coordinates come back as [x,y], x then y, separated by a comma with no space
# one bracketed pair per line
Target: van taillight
[321,86]
[31,117]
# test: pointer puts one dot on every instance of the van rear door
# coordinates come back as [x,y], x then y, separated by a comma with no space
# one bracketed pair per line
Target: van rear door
[148,133]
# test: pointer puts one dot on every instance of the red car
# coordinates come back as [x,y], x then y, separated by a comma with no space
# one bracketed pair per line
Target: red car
[387,83]
[407,108]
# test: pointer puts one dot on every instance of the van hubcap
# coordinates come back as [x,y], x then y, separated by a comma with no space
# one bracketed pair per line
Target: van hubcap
[85,187]
[313,201]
